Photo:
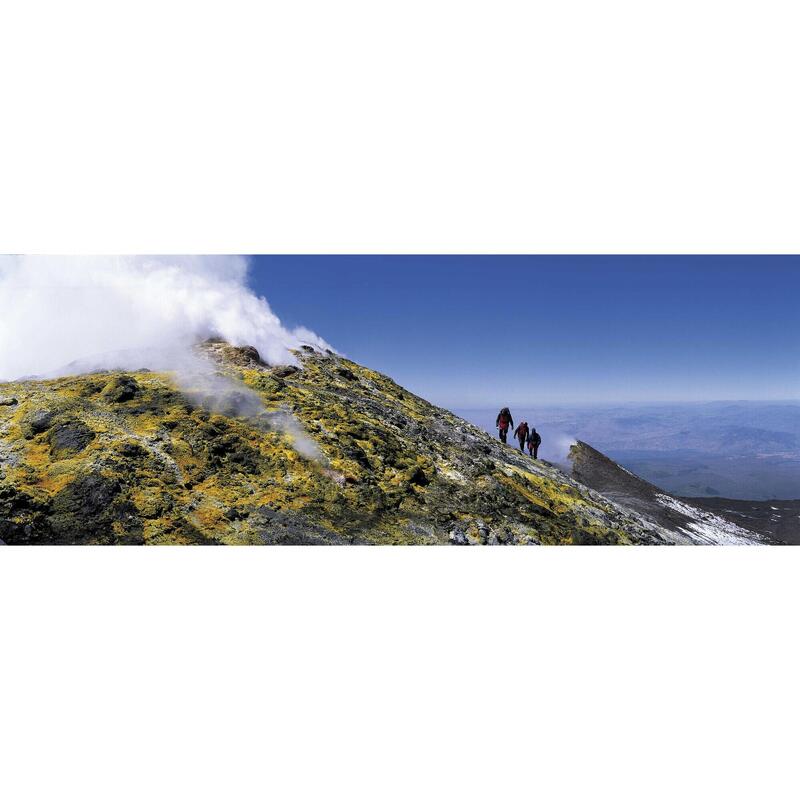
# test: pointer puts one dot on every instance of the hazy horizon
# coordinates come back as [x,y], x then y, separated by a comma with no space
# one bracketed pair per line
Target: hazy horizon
[640,403]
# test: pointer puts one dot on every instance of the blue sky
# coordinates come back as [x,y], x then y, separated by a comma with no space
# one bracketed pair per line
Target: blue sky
[475,331]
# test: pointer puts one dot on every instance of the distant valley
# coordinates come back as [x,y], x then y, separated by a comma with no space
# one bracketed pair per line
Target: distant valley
[739,450]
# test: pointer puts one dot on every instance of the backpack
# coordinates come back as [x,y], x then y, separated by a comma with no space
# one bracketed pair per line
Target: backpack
[536,439]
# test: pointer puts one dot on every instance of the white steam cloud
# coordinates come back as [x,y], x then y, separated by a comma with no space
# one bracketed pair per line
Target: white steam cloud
[58,310]
[225,396]
[562,444]
[69,315]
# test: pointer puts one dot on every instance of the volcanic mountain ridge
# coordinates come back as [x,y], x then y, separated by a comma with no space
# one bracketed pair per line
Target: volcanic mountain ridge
[324,453]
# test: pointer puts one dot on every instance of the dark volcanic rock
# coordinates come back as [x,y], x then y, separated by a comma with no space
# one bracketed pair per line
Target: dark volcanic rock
[22,518]
[133,451]
[248,355]
[83,510]
[37,422]
[226,449]
[69,438]
[281,528]
[417,477]
[121,389]
[685,518]
[285,372]
[88,495]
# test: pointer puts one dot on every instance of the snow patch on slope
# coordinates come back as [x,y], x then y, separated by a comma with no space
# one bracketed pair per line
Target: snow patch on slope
[706,528]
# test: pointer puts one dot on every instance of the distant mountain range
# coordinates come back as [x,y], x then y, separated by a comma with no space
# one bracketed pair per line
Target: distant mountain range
[742,450]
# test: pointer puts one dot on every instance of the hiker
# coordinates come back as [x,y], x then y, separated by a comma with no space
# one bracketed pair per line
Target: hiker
[504,422]
[534,442]
[521,434]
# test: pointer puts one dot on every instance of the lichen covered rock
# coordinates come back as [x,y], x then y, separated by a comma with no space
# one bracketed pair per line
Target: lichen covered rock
[69,438]
[38,421]
[326,453]
[121,389]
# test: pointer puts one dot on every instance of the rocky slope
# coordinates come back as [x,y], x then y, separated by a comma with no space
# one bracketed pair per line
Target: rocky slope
[777,520]
[680,520]
[330,453]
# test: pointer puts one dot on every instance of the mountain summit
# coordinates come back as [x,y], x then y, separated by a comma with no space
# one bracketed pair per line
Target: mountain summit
[329,452]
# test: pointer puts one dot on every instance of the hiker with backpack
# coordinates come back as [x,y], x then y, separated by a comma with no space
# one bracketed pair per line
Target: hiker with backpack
[534,442]
[521,434]
[504,422]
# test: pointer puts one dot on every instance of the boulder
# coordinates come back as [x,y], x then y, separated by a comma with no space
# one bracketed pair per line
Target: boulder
[36,422]
[459,538]
[121,389]
[87,496]
[285,372]
[84,510]
[247,356]
[69,438]
[417,477]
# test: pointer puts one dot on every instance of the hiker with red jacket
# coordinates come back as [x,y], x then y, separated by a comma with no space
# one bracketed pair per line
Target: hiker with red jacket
[504,422]
[534,442]
[521,433]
